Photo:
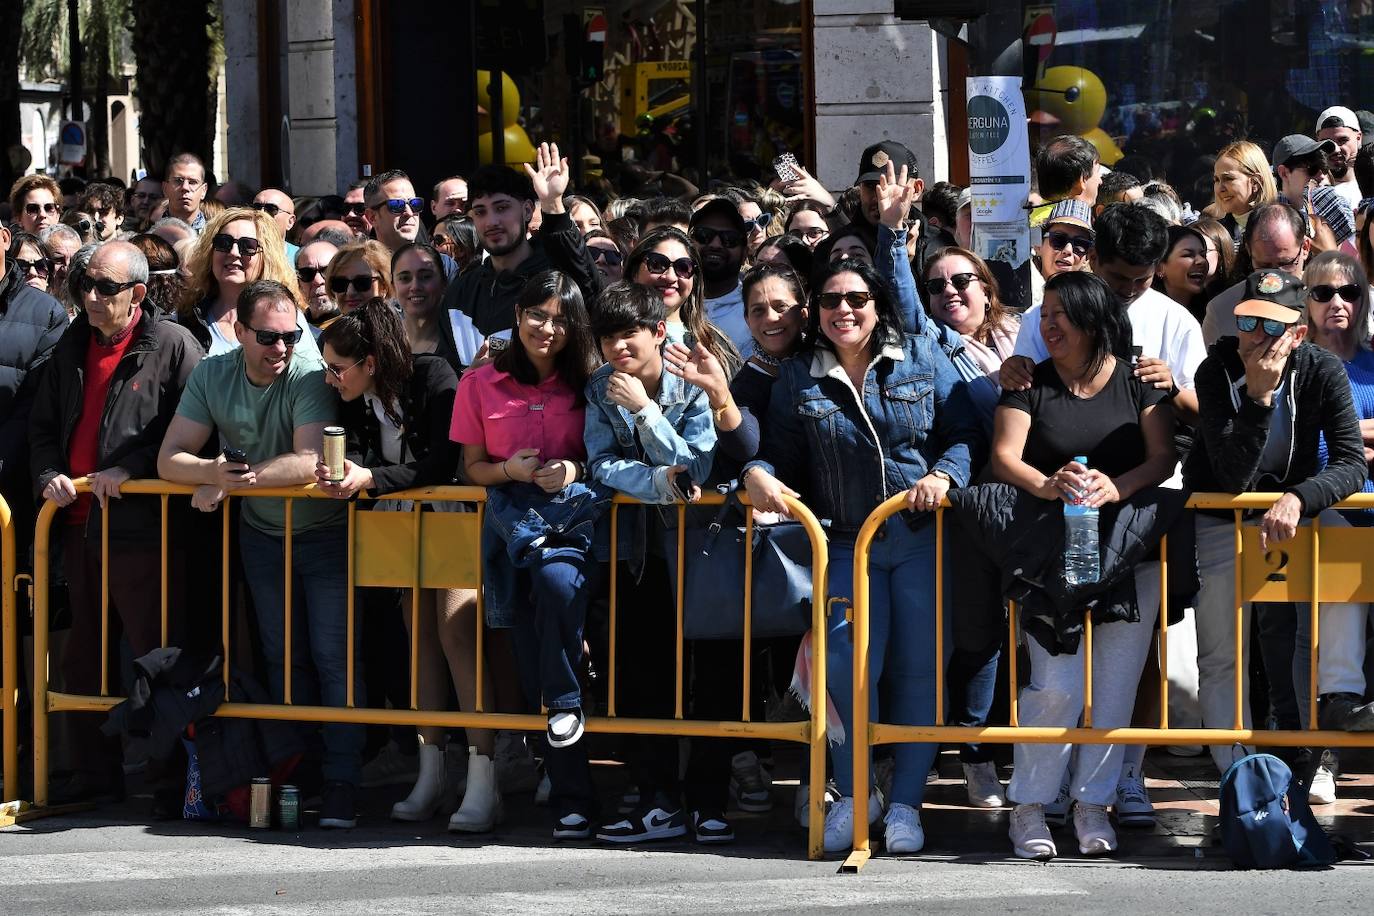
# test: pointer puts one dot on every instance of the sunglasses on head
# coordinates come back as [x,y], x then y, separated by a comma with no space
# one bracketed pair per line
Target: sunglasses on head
[269,209]
[1058,240]
[42,266]
[398,205]
[757,222]
[1247,323]
[856,299]
[308,274]
[270,338]
[612,257]
[705,235]
[360,284]
[658,265]
[35,209]
[224,243]
[105,287]
[1350,292]
[936,285]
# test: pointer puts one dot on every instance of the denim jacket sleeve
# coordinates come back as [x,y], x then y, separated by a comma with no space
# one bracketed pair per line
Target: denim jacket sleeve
[663,445]
[892,265]
[958,431]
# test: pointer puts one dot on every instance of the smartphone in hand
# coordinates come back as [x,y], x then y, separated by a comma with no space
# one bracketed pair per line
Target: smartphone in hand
[235,456]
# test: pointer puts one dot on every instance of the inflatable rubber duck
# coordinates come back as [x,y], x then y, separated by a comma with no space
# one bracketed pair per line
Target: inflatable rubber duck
[1073,100]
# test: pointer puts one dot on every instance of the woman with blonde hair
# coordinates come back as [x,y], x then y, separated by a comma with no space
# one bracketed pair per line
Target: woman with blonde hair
[1241,181]
[237,247]
[359,272]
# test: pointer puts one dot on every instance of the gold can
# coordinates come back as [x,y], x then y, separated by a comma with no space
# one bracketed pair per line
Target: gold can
[260,804]
[334,453]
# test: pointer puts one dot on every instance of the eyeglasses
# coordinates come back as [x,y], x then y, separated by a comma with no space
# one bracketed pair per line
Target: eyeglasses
[1058,240]
[757,222]
[269,209]
[35,209]
[270,338]
[936,285]
[105,287]
[308,274]
[1289,266]
[855,299]
[538,319]
[101,212]
[332,370]
[658,265]
[1247,323]
[705,235]
[42,266]
[360,284]
[612,257]
[1350,292]
[224,243]
[191,183]
[812,233]
[398,205]
[355,208]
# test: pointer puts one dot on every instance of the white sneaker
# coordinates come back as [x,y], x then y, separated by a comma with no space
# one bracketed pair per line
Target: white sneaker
[984,788]
[903,835]
[1323,788]
[1133,807]
[801,803]
[1057,811]
[1094,831]
[839,821]
[1030,835]
[750,784]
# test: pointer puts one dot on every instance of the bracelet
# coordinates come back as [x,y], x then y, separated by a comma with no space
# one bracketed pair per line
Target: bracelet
[506,472]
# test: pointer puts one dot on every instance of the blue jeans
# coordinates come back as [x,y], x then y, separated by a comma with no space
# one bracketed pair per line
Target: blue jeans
[319,630]
[901,648]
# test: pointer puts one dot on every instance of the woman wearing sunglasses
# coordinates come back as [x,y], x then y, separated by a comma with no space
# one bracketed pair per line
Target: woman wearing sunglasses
[1065,240]
[358,273]
[27,254]
[866,412]
[607,255]
[238,246]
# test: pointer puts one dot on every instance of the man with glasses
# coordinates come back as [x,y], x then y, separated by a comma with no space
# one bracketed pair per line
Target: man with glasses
[1275,238]
[355,213]
[311,261]
[273,404]
[719,234]
[60,243]
[184,187]
[143,196]
[102,406]
[106,206]
[393,208]
[36,202]
[282,209]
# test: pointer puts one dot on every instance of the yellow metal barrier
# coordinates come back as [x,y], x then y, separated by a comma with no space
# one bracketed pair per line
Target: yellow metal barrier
[429,550]
[9,660]
[1320,564]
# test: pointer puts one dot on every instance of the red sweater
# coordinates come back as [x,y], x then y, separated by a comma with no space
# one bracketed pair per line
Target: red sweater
[83,454]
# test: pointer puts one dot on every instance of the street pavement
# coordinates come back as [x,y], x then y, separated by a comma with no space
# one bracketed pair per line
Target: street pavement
[115,861]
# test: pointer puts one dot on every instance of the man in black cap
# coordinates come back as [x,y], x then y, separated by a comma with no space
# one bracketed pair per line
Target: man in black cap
[719,233]
[865,222]
[1265,397]
[1300,163]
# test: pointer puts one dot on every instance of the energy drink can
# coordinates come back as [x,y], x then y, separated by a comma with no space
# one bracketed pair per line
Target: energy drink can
[260,804]
[334,452]
[289,809]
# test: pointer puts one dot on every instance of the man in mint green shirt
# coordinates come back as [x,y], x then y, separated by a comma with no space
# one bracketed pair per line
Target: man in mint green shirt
[273,404]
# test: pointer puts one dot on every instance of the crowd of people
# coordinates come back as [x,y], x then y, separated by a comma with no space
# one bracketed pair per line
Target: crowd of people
[559,348]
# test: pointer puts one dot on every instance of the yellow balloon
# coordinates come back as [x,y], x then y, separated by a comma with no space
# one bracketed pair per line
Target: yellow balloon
[510,97]
[518,150]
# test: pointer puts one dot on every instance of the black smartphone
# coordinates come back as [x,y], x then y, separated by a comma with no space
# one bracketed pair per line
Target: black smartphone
[235,455]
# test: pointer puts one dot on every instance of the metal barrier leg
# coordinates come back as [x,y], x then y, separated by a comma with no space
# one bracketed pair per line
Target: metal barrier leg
[9,662]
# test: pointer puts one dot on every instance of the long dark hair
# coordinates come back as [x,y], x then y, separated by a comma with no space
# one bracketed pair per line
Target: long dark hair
[375,330]
[889,326]
[693,310]
[577,358]
[1091,307]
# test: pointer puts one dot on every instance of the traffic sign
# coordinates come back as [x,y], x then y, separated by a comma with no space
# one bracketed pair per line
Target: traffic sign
[1040,35]
[71,144]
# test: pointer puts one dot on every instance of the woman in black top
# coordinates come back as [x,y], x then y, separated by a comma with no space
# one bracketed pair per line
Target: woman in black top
[1082,401]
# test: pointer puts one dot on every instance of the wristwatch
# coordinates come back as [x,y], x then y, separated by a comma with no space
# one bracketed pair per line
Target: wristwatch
[943,476]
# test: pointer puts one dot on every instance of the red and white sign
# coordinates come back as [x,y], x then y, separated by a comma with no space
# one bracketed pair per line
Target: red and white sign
[1040,35]
[596,28]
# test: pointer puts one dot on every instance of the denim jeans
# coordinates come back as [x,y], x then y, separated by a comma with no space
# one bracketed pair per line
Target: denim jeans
[319,630]
[901,648]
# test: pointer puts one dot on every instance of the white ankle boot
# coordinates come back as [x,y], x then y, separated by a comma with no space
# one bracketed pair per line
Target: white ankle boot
[428,793]
[481,807]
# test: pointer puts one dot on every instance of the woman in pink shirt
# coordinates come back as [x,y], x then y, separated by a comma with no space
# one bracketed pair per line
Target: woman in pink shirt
[519,419]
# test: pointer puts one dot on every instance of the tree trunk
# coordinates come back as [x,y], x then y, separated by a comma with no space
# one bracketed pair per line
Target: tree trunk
[11,16]
[171,42]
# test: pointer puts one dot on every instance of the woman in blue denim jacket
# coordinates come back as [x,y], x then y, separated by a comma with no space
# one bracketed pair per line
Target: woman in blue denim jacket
[868,413]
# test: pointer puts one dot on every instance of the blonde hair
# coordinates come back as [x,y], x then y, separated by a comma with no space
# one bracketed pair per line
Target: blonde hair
[271,262]
[1255,165]
[377,257]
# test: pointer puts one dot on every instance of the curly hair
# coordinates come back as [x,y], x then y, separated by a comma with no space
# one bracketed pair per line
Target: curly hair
[271,263]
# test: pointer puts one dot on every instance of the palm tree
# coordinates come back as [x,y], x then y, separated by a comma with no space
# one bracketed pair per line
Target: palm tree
[176,53]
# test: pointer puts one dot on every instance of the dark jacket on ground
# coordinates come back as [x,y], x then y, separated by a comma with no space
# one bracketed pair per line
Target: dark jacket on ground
[141,401]
[31,322]
[426,412]
[1230,440]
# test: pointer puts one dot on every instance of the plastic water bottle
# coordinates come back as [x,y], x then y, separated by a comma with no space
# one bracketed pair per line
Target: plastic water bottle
[1082,565]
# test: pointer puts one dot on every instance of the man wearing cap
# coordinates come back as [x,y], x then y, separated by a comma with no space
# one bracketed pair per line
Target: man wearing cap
[1339,125]
[1299,165]
[718,232]
[1265,397]
[871,165]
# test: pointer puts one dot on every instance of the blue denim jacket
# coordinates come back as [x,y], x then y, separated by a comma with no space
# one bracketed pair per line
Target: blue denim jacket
[846,451]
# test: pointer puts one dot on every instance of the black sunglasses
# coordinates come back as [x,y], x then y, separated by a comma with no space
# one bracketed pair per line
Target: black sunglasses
[1247,323]
[33,209]
[42,266]
[86,283]
[269,209]
[355,209]
[224,243]
[856,299]
[308,274]
[398,205]
[270,338]
[1350,292]
[1058,240]
[705,235]
[936,285]
[612,257]
[360,284]
[658,265]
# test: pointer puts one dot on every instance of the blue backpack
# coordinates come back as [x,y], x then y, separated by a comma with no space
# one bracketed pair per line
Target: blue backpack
[1265,819]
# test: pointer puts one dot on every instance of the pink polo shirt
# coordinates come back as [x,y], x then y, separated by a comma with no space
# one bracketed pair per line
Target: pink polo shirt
[502,415]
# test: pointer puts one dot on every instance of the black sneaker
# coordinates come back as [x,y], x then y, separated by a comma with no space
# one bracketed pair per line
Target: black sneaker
[646,824]
[1343,712]
[712,827]
[572,826]
[337,808]
[565,726]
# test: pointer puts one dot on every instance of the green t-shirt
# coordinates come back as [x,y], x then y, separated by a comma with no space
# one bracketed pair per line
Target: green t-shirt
[262,421]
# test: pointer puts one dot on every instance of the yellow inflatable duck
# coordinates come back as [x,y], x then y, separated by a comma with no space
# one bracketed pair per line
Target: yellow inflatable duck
[1074,100]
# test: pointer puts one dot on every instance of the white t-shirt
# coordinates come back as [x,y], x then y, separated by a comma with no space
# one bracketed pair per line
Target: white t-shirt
[1161,327]
[727,313]
[1350,190]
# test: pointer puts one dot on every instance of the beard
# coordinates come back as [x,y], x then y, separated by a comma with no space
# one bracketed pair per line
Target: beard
[505,248]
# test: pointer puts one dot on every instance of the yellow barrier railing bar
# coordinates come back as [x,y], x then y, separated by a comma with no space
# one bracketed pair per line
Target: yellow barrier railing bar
[1315,626]
[1240,634]
[288,655]
[9,661]
[480,613]
[1013,655]
[416,508]
[349,609]
[162,567]
[226,622]
[748,608]
[940,613]
[1163,619]
[104,603]
[681,592]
